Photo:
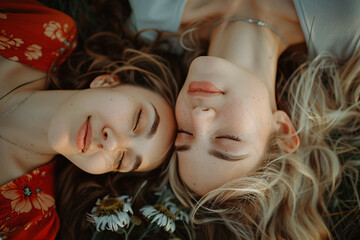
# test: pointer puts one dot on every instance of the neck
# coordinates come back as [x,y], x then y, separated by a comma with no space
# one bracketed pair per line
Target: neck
[24,145]
[254,48]
[27,127]
[14,74]
[32,118]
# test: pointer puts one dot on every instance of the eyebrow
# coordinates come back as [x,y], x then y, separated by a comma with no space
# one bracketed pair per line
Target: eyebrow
[182,148]
[155,125]
[138,161]
[217,154]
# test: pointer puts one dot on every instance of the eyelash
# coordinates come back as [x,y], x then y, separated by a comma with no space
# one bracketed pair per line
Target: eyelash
[120,161]
[231,137]
[182,131]
[138,119]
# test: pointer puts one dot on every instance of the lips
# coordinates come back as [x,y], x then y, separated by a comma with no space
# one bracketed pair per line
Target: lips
[203,88]
[84,136]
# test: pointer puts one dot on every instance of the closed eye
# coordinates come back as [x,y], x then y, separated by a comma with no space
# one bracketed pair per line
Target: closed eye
[185,132]
[120,160]
[230,137]
[140,114]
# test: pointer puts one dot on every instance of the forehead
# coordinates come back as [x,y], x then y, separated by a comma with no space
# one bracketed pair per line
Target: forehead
[203,172]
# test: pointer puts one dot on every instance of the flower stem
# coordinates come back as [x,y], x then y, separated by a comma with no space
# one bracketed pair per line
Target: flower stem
[145,232]
[138,191]
[127,233]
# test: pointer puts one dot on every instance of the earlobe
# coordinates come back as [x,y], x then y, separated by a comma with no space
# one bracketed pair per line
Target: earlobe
[105,80]
[285,127]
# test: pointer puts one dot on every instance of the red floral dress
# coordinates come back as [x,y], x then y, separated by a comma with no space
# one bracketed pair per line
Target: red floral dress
[27,209]
[40,37]
[34,34]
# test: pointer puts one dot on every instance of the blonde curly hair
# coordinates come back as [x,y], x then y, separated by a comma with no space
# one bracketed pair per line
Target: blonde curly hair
[286,197]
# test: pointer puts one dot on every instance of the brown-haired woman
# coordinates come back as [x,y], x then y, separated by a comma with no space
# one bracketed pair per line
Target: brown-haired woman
[123,123]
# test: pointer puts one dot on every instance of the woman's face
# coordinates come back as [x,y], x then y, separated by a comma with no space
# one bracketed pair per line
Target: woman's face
[224,121]
[124,128]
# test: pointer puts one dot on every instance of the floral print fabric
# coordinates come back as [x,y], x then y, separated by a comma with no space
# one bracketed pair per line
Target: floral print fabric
[27,206]
[34,34]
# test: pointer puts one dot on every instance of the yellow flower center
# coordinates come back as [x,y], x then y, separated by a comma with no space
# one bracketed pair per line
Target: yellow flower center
[109,206]
[137,221]
[164,211]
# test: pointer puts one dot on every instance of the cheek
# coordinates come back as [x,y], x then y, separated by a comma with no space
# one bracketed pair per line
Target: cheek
[105,103]
[238,116]
[250,115]
[59,134]
[113,108]
[188,173]
[97,163]
[232,111]
[150,163]
[167,128]
[181,110]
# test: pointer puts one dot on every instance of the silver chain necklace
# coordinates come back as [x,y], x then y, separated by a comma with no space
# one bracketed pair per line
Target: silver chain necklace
[249,20]
[16,106]
[13,109]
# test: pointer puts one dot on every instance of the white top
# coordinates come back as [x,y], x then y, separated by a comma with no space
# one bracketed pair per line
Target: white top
[329,25]
[163,15]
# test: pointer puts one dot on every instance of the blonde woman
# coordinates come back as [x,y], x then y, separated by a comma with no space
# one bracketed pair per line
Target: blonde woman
[256,155]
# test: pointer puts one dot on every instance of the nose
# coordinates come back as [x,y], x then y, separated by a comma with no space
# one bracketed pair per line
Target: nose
[202,118]
[111,141]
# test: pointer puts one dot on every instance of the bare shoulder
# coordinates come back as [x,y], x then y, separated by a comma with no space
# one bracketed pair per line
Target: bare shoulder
[14,74]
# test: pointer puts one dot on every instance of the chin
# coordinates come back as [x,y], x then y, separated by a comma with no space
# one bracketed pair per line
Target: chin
[59,141]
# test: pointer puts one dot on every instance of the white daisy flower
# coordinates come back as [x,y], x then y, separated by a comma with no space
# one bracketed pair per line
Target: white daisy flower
[126,200]
[178,213]
[111,213]
[160,215]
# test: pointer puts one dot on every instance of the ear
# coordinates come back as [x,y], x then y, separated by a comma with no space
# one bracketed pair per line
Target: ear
[105,80]
[286,128]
